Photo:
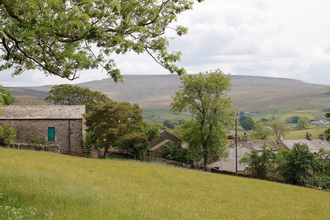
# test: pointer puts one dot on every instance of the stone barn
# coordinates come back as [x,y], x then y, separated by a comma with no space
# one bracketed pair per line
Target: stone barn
[157,146]
[57,124]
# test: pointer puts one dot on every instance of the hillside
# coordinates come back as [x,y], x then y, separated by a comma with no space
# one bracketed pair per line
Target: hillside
[42,185]
[249,93]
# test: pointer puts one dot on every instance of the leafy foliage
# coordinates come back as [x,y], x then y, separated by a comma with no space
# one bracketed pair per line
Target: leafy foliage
[5,98]
[66,94]
[175,152]
[260,132]
[260,165]
[279,127]
[302,124]
[205,97]
[169,124]
[292,119]
[36,139]
[247,124]
[7,134]
[109,122]
[57,36]
[242,118]
[294,165]
[137,142]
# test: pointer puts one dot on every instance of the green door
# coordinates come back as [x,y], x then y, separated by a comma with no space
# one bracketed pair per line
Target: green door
[51,134]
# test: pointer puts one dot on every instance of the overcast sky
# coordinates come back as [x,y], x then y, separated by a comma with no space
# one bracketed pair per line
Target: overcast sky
[282,38]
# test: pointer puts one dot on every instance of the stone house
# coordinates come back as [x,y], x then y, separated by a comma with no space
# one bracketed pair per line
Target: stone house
[57,124]
[157,146]
[244,145]
[314,145]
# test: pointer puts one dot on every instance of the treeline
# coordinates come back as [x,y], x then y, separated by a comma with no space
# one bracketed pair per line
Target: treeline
[298,166]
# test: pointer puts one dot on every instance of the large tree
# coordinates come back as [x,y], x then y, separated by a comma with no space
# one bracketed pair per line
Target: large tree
[205,96]
[247,124]
[64,37]
[279,127]
[260,132]
[108,123]
[302,124]
[66,94]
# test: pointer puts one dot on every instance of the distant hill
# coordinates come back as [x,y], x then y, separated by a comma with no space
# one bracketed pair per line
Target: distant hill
[249,93]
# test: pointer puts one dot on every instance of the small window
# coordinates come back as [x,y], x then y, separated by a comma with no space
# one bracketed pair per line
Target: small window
[51,134]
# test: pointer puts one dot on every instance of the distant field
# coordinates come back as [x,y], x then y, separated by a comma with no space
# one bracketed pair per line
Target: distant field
[162,115]
[42,185]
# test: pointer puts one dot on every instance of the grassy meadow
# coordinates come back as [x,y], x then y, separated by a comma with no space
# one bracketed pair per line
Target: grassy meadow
[42,185]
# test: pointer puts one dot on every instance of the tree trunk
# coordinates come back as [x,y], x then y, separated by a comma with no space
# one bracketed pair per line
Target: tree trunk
[205,159]
[106,150]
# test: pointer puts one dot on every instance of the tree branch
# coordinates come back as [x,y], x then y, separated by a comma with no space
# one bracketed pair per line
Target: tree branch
[10,11]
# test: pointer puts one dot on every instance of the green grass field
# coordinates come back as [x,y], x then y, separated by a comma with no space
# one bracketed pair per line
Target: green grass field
[161,115]
[41,185]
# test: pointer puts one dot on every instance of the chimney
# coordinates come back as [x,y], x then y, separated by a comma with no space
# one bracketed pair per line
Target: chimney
[310,137]
[244,137]
[322,137]
[279,138]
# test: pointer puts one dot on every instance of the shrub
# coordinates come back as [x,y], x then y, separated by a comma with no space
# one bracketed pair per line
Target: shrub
[7,134]
[36,139]
[260,165]
[295,165]
[174,152]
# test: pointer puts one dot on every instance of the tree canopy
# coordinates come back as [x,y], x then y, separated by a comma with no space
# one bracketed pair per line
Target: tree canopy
[66,94]
[279,127]
[302,124]
[260,132]
[247,124]
[65,37]
[111,121]
[204,95]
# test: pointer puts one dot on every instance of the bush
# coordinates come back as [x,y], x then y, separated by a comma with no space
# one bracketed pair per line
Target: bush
[7,134]
[295,165]
[319,180]
[260,165]
[174,152]
[36,139]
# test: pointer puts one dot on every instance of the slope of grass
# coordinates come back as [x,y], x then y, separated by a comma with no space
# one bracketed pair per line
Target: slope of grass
[64,187]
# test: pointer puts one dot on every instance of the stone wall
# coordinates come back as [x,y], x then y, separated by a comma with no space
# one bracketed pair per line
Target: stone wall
[169,162]
[55,148]
[70,142]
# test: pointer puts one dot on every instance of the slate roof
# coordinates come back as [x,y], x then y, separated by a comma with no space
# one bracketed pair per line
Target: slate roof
[42,112]
[314,145]
[253,144]
[160,144]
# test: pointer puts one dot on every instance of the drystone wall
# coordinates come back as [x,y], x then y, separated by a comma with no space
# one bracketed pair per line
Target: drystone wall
[169,162]
[54,148]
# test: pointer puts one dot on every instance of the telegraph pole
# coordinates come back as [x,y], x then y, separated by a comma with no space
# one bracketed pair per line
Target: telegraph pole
[236,142]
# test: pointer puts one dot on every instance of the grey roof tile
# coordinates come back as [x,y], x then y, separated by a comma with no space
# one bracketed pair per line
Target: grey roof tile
[42,111]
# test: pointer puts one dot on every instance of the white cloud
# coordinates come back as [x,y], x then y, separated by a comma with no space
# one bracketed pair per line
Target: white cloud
[265,38]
